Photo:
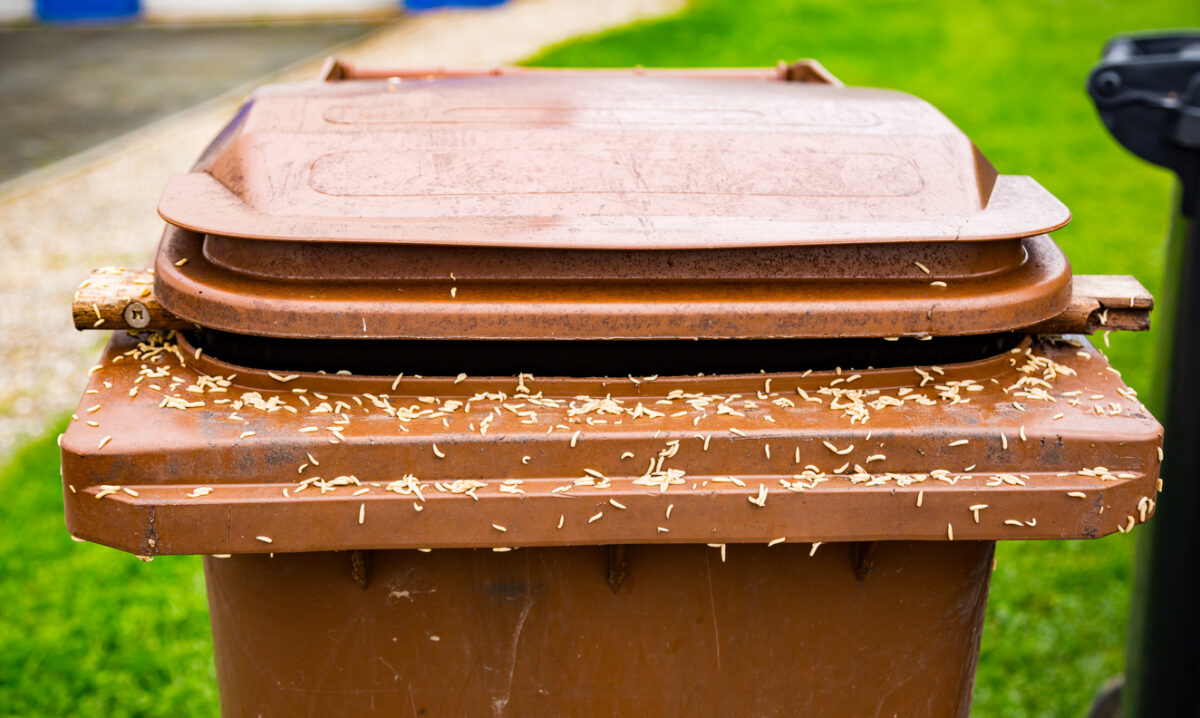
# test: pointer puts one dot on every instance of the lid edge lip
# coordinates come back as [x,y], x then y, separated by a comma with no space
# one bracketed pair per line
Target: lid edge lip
[224,214]
[1042,290]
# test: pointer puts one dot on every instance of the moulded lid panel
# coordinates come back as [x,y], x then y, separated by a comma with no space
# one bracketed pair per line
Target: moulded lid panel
[601,161]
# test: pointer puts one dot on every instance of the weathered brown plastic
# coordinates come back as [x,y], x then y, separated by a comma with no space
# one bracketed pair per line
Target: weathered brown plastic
[609,616]
[517,203]
[122,298]
[639,205]
[163,454]
[586,161]
[876,629]
[582,307]
[808,70]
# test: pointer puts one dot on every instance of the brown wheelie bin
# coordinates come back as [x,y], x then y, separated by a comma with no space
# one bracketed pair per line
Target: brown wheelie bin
[623,393]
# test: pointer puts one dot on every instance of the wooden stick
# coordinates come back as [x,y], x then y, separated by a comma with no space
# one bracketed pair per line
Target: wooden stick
[1102,302]
[118,298]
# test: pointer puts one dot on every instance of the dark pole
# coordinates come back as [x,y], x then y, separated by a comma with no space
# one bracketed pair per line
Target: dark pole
[1147,91]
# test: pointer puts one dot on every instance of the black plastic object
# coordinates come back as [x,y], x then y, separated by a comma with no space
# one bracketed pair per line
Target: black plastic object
[1147,90]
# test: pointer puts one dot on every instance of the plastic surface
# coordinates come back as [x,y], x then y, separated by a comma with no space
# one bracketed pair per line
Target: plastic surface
[87,10]
[602,546]
[853,630]
[714,448]
[1147,92]
[603,205]
[419,5]
[803,292]
[594,161]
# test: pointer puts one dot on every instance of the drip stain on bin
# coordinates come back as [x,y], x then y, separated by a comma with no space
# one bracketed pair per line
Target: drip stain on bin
[566,332]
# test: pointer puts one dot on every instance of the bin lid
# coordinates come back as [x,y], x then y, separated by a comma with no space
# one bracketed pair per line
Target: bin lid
[585,161]
[580,204]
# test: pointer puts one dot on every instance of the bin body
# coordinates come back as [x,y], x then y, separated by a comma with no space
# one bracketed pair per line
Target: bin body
[857,629]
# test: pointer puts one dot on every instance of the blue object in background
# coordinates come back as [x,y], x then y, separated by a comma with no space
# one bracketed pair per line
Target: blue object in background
[76,10]
[431,4]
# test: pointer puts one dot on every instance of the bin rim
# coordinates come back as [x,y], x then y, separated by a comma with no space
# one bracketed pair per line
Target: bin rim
[1023,472]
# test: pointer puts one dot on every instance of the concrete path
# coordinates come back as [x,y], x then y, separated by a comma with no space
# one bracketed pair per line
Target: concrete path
[98,208]
[65,90]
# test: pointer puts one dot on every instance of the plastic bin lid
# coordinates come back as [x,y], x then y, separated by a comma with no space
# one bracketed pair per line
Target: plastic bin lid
[600,161]
[516,203]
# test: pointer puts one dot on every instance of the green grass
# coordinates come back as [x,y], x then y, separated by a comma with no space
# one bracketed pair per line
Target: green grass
[1055,628]
[88,631]
[1011,75]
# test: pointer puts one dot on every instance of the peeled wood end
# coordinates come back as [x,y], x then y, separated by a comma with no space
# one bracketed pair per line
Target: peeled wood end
[120,298]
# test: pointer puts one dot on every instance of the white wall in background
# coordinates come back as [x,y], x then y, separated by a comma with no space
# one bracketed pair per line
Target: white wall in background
[12,10]
[183,10]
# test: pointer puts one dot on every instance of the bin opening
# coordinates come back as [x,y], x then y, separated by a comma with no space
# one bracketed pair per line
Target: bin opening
[592,358]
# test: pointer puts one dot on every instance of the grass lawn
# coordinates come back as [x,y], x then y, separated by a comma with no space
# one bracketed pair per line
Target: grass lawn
[88,631]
